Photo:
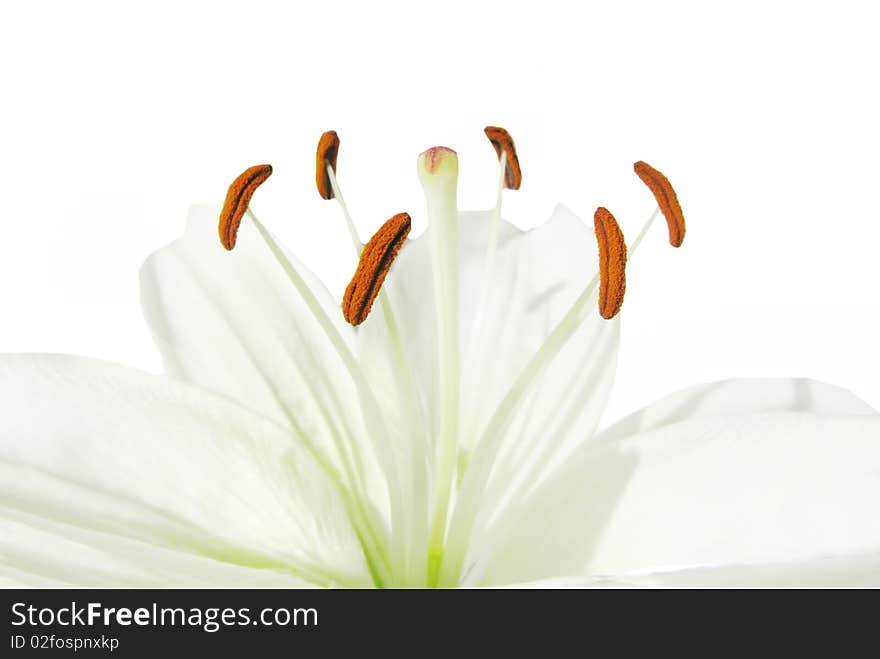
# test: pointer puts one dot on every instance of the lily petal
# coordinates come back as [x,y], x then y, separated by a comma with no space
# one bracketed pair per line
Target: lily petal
[40,552]
[735,397]
[573,582]
[231,322]
[772,486]
[857,571]
[127,478]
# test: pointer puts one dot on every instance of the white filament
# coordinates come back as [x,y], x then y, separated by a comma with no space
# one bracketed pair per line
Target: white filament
[415,528]
[477,338]
[376,426]
[476,477]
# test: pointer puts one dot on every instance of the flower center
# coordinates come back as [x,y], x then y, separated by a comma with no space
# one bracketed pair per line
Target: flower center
[434,487]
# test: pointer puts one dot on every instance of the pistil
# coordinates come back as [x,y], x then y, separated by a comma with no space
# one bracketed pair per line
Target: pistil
[438,172]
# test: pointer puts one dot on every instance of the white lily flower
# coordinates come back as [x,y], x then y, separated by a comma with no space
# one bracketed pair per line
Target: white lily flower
[448,438]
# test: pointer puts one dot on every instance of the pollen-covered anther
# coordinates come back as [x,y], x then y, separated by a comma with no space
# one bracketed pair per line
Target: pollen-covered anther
[237,200]
[376,260]
[612,263]
[666,199]
[503,143]
[328,150]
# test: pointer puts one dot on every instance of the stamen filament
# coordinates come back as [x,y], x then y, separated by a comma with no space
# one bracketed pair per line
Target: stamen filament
[539,462]
[362,523]
[476,477]
[357,513]
[372,414]
[354,495]
[477,339]
[492,245]
[643,232]
[418,445]
[349,223]
[414,415]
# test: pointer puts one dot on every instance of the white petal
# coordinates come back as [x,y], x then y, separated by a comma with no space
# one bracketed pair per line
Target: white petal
[233,323]
[856,571]
[763,488]
[39,552]
[853,571]
[736,397]
[574,582]
[98,461]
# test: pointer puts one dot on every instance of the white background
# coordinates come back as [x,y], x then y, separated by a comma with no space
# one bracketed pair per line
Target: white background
[117,116]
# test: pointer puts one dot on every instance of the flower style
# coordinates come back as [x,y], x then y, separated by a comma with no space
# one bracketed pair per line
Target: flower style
[438,430]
